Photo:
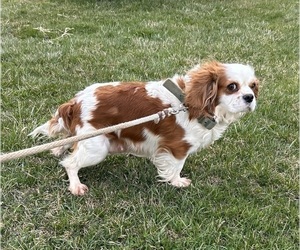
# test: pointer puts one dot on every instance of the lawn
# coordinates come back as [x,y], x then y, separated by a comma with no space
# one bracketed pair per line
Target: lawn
[244,192]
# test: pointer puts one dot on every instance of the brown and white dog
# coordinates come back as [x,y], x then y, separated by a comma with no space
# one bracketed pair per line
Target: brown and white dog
[215,95]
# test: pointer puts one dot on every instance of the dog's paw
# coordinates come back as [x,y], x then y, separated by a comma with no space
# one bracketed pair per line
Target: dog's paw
[79,190]
[58,151]
[181,182]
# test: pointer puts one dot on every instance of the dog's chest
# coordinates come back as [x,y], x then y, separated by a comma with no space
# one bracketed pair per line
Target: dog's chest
[200,137]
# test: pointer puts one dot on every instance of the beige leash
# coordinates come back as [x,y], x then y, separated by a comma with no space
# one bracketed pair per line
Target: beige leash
[37,149]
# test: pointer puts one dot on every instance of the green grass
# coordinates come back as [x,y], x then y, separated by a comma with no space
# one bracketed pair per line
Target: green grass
[245,187]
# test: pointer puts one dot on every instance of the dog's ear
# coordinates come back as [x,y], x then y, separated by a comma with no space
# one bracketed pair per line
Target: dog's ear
[202,89]
[255,87]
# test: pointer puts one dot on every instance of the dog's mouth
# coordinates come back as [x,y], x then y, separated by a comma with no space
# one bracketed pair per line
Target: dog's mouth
[251,107]
[248,108]
[242,109]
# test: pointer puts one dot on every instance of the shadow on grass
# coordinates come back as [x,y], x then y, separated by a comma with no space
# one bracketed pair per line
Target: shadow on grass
[120,172]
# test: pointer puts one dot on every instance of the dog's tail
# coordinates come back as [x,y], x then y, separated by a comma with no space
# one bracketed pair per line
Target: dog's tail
[60,124]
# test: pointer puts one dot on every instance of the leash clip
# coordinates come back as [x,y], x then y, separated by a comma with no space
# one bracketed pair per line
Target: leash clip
[168,112]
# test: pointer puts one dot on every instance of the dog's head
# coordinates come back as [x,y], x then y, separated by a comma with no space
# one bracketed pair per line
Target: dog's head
[232,87]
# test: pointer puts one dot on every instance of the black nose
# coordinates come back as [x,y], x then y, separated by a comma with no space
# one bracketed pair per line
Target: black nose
[248,98]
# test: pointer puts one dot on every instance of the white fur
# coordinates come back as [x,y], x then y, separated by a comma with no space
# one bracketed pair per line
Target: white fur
[169,169]
[87,153]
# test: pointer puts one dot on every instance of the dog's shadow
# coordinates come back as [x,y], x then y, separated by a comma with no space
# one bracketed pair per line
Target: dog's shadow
[120,172]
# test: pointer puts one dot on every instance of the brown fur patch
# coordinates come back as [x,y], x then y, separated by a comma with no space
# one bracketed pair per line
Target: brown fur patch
[202,92]
[70,113]
[131,101]
[181,83]
[255,87]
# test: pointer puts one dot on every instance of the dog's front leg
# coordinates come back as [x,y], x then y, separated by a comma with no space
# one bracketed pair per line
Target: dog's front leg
[169,169]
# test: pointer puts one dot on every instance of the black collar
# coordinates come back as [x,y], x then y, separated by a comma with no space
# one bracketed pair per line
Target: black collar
[207,122]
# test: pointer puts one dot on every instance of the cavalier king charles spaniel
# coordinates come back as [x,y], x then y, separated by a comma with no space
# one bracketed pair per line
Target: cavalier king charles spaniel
[214,95]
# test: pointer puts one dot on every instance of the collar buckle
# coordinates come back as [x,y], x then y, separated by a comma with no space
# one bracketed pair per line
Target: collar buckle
[207,122]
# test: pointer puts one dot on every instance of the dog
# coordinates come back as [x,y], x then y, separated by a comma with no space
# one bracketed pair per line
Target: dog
[214,94]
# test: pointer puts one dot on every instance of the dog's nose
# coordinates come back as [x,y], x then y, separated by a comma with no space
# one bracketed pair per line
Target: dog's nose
[248,98]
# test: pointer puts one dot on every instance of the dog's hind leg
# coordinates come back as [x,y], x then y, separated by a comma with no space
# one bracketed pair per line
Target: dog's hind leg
[86,153]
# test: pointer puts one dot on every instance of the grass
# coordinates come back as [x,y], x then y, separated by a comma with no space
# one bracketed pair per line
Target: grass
[245,187]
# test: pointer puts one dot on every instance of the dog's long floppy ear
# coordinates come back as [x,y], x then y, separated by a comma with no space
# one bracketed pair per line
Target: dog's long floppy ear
[202,89]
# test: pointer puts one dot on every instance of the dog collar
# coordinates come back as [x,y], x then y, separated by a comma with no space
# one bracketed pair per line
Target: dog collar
[207,122]
[172,87]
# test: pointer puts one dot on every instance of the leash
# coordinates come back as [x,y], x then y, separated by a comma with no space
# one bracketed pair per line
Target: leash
[37,149]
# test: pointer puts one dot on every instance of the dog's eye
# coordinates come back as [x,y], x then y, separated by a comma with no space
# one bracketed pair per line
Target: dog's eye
[253,85]
[232,87]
